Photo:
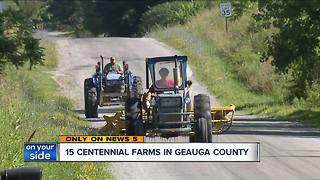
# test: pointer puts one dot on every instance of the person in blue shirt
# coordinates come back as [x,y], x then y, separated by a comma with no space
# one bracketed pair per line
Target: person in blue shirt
[96,77]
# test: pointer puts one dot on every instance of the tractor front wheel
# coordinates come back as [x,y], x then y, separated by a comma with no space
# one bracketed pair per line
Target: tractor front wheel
[202,115]
[135,127]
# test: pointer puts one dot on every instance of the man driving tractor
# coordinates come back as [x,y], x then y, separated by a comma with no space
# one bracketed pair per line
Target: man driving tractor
[113,66]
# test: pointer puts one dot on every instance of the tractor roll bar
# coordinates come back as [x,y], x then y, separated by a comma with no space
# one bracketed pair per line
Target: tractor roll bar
[102,66]
[147,74]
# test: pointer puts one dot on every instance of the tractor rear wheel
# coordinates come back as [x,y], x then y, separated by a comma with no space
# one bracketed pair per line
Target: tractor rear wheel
[202,117]
[138,128]
[90,99]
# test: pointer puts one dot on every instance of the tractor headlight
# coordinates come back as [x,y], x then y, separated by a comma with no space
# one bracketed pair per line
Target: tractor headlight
[153,102]
[148,104]
[187,100]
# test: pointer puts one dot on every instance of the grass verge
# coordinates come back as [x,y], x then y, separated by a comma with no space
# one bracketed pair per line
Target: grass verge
[228,64]
[29,101]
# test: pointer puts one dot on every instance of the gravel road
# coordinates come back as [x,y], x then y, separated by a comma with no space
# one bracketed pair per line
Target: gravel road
[289,150]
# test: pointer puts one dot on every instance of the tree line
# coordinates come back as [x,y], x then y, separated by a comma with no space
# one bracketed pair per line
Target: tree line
[293,48]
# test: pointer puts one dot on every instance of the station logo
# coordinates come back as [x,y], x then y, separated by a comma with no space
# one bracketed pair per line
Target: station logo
[40,152]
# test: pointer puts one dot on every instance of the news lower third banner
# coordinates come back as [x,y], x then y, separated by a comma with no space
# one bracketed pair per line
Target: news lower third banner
[133,148]
[145,152]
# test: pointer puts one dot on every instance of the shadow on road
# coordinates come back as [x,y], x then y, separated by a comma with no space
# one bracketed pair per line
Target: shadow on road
[266,126]
[100,110]
[242,125]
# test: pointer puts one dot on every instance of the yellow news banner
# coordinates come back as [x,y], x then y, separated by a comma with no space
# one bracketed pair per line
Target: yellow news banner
[100,139]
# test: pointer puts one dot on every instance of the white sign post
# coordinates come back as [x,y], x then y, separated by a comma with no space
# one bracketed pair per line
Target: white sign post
[226,11]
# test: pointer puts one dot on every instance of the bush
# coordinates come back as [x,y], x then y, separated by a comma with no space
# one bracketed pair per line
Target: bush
[29,102]
[228,64]
[240,48]
[17,44]
[258,77]
[169,13]
[313,95]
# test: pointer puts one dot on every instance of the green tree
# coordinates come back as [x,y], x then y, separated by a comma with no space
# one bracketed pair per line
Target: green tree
[62,12]
[296,44]
[115,18]
[169,13]
[17,45]
[294,47]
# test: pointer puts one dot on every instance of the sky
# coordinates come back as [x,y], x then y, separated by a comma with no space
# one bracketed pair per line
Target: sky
[2,6]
